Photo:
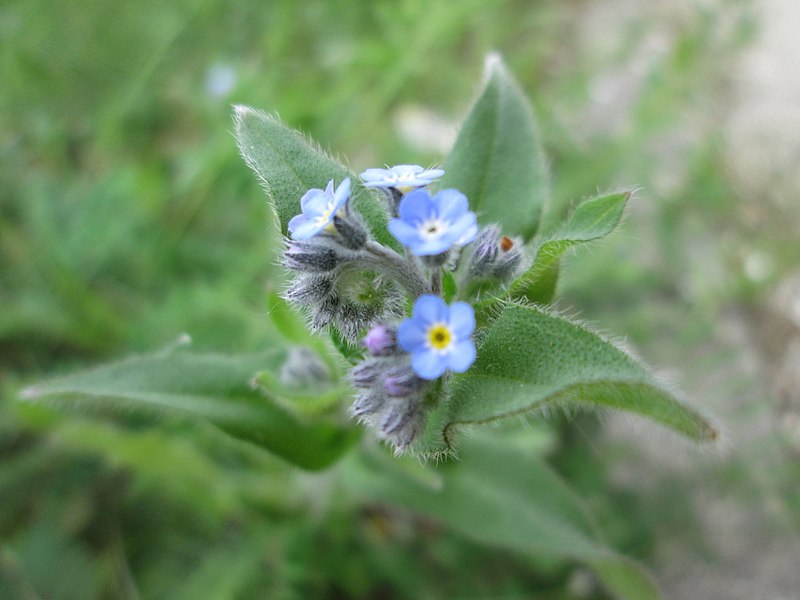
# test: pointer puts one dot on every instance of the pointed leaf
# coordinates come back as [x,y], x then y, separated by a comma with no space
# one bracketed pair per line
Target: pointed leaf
[207,386]
[497,160]
[289,166]
[592,220]
[503,497]
[531,360]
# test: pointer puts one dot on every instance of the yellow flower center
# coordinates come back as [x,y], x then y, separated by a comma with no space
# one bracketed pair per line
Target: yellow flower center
[325,217]
[439,336]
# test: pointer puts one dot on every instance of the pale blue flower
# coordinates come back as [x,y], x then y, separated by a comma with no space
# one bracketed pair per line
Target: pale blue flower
[402,177]
[319,207]
[438,336]
[432,225]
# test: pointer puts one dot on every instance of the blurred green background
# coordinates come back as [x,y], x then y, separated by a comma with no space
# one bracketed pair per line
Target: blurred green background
[128,219]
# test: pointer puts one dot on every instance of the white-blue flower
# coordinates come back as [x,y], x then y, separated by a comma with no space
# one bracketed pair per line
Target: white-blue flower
[432,225]
[319,207]
[402,177]
[438,336]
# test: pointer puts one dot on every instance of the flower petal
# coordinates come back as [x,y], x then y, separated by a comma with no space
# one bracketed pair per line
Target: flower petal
[429,364]
[314,202]
[432,174]
[295,222]
[375,175]
[465,229]
[462,320]
[415,206]
[342,193]
[406,170]
[305,229]
[429,309]
[461,356]
[411,335]
[450,204]
[403,232]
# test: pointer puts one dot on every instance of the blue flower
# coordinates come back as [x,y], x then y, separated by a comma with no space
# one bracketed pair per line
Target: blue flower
[319,207]
[431,226]
[438,336]
[403,177]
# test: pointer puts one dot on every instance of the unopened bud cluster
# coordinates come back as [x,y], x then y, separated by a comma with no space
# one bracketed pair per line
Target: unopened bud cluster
[388,392]
[494,255]
[347,280]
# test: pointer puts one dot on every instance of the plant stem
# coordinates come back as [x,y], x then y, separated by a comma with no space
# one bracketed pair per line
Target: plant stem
[436,281]
[403,269]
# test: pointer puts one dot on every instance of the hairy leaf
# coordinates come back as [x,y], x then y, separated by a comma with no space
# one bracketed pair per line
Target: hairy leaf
[497,160]
[207,386]
[592,220]
[289,166]
[531,360]
[503,497]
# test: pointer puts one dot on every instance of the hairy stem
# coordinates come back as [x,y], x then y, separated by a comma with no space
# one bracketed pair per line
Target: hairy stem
[436,281]
[403,269]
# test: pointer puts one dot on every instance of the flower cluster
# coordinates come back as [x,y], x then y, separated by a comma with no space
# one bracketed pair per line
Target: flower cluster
[361,288]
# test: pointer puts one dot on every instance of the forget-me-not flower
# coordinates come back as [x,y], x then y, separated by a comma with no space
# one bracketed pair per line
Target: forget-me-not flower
[438,336]
[432,225]
[402,177]
[319,207]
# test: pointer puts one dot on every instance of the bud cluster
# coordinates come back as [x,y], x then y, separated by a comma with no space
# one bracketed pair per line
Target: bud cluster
[389,392]
[494,255]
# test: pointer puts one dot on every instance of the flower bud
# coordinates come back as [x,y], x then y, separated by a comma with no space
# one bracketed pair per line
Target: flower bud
[494,254]
[366,298]
[402,423]
[309,289]
[366,373]
[303,368]
[352,234]
[484,252]
[367,405]
[381,340]
[310,257]
[402,382]
[324,312]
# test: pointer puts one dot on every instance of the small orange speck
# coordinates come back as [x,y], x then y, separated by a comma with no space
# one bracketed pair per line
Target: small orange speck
[506,243]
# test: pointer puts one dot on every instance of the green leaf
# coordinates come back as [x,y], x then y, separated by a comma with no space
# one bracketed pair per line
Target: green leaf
[303,401]
[497,160]
[592,220]
[531,360]
[288,321]
[449,287]
[289,166]
[351,352]
[207,386]
[291,324]
[503,497]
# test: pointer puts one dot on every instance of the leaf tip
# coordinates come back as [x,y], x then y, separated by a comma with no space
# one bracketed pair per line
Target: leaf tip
[492,64]
[240,112]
